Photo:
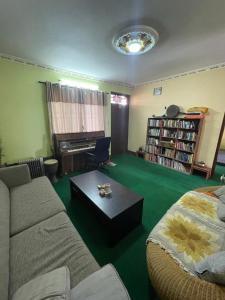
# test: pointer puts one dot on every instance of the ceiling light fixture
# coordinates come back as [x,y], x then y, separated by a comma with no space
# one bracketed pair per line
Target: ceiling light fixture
[135,40]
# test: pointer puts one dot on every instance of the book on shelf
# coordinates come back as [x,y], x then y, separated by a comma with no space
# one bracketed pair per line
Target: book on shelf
[169,133]
[167,152]
[151,149]
[154,123]
[165,161]
[185,157]
[152,141]
[185,146]
[185,135]
[150,156]
[179,167]
[154,132]
[179,124]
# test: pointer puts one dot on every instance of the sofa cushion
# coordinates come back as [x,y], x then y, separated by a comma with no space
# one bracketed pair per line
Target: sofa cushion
[15,175]
[221,211]
[220,193]
[52,285]
[101,285]
[212,269]
[4,240]
[32,203]
[46,246]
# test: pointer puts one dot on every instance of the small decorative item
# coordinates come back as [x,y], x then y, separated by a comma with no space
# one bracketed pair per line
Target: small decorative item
[157,91]
[140,153]
[104,189]
[201,163]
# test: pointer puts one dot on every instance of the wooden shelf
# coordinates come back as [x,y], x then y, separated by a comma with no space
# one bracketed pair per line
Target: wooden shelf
[183,162]
[186,140]
[154,145]
[165,156]
[178,128]
[154,136]
[164,124]
[184,151]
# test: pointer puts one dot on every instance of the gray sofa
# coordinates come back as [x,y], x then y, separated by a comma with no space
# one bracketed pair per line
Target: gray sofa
[37,237]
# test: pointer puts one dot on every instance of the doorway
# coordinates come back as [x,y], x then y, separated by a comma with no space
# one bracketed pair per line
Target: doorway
[221,153]
[219,159]
[119,123]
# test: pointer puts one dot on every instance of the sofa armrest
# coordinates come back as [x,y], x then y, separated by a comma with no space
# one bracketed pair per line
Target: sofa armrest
[100,285]
[15,175]
[208,189]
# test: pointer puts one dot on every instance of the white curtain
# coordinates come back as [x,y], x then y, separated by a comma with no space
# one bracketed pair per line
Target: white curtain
[75,110]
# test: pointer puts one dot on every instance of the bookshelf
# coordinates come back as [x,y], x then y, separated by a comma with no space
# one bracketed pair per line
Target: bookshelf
[173,142]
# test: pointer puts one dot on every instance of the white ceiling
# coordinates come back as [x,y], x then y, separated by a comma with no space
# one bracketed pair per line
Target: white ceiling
[76,35]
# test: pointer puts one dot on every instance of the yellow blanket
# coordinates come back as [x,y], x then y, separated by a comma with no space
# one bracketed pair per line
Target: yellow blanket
[190,230]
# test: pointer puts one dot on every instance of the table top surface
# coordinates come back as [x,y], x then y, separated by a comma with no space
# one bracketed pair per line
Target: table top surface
[120,200]
[199,167]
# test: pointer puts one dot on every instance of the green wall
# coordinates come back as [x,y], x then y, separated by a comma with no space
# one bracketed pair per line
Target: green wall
[24,127]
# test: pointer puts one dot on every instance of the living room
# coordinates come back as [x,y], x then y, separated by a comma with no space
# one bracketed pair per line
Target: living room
[77,77]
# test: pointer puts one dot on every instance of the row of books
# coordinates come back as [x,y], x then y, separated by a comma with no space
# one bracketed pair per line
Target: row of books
[184,157]
[172,164]
[154,132]
[152,141]
[179,124]
[173,123]
[169,133]
[157,151]
[185,146]
[184,135]
[151,157]
[166,162]
[151,149]
[154,122]
[173,134]
[167,152]
[179,166]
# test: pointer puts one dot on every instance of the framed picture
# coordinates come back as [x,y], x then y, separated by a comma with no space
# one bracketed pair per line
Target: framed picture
[157,91]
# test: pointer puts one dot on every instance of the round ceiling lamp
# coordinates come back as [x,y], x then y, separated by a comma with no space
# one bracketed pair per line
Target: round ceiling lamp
[135,40]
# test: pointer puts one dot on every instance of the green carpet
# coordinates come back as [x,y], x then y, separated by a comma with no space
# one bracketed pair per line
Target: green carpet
[161,187]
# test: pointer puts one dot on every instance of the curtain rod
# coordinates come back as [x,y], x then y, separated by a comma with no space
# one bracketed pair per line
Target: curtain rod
[44,82]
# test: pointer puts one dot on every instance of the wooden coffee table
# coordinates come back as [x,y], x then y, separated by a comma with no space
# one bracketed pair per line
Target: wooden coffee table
[121,212]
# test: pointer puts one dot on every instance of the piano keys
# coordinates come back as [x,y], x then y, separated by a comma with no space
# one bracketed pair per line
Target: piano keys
[70,149]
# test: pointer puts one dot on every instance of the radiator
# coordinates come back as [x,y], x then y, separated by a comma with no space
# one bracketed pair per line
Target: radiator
[35,165]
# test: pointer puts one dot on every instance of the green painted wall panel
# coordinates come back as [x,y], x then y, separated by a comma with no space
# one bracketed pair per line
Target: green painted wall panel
[24,129]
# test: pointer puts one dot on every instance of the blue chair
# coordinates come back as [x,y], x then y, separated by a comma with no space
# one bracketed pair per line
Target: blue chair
[100,154]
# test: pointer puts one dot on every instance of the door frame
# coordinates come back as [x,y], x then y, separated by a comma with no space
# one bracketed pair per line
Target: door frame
[128,107]
[218,144]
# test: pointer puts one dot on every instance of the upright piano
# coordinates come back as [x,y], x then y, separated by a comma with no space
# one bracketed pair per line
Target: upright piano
[70,149]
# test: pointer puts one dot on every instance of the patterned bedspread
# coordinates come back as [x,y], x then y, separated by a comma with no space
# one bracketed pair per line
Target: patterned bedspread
[190,230]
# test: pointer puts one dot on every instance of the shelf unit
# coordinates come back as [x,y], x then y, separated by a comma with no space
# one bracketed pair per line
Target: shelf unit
[173,142]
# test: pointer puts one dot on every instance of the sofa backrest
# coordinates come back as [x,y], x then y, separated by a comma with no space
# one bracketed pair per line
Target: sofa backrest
[15,175]
[4,240]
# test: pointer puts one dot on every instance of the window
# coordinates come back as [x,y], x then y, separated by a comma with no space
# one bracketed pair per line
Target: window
[119,99]
[75,110]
